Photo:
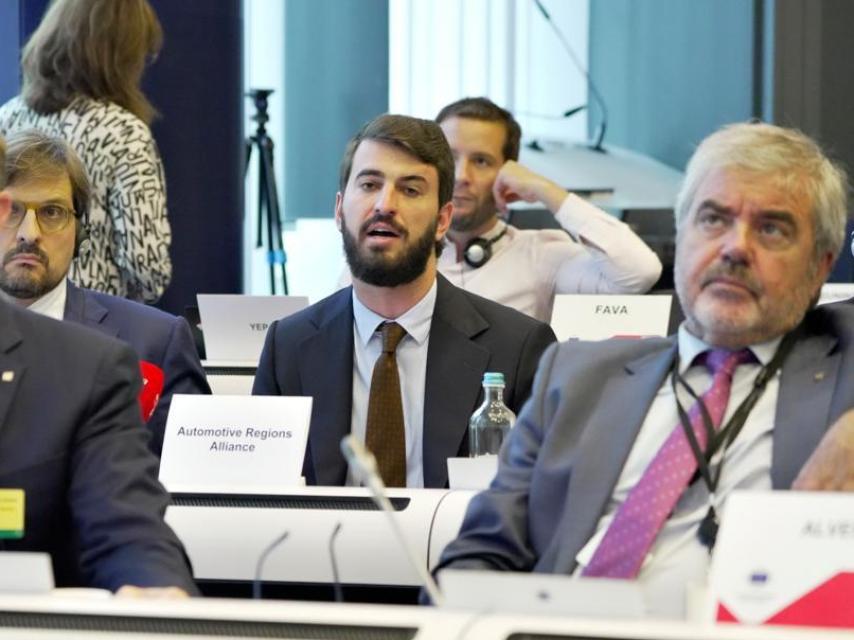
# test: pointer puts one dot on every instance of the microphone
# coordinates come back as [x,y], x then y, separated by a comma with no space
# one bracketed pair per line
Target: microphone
[596,145]
[259,566]
[152,387]
[364,467]
[333,559]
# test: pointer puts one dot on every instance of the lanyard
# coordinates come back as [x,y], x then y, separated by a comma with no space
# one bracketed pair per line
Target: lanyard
[724,437]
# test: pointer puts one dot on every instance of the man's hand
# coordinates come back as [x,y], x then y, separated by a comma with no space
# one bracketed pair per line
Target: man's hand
[831,465]
[161,593]
[515,182]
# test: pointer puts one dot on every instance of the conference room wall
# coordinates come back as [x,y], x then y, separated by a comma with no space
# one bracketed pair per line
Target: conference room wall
[672,72]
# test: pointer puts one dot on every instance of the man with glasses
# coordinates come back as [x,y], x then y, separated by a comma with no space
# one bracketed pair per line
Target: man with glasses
[624,457]
[76,477]
[41,233]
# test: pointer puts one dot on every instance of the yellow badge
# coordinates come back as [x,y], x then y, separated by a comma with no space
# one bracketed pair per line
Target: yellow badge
[11,513]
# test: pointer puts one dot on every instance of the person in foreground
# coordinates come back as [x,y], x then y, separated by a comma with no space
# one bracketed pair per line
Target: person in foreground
[524,269]
[599,477]
[46,227]
[398,358]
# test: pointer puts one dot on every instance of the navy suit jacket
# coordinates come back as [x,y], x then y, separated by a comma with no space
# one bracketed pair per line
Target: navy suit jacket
[156,336]
[311,354]
[71,437]
[565,455]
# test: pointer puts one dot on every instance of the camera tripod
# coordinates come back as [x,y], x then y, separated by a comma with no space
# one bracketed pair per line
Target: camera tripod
[269,218]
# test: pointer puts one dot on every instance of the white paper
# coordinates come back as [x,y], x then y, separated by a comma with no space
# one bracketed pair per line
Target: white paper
[472,473]
[244,443]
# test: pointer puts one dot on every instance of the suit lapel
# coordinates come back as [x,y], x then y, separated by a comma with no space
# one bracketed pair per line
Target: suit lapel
[803,410]
[455,367]
[607,441]
[326,370]
[11,369]
[86,310]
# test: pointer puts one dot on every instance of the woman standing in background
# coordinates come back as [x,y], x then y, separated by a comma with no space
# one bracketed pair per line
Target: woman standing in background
[82,69]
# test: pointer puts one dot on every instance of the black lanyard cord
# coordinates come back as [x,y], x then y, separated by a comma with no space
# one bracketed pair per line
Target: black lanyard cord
[724,437]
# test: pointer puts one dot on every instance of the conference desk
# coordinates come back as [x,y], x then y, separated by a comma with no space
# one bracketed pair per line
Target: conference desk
[226,534]
[67,617]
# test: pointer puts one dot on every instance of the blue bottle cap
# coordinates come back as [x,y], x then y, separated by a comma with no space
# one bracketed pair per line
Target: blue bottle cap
[493,378]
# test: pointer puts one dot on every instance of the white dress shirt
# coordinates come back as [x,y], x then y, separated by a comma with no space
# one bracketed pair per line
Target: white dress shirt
[51,304]
[529,266]
[677,558]
[411,366]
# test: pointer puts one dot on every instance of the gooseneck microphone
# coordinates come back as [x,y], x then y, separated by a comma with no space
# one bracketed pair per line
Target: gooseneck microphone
[259,566]
[364,467]
[333,559]
[596,145]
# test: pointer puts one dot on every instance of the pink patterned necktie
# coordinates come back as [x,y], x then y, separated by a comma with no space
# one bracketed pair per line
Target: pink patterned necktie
[652,499]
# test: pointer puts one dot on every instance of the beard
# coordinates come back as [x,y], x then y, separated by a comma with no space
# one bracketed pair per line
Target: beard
[775,316]
[24,284]
[483,212]
[375,268]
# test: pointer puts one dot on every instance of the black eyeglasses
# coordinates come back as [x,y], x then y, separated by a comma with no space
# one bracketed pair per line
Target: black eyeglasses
[51,217]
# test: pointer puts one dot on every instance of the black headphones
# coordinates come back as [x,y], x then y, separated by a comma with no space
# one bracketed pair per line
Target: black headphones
[81,229]
[478,251]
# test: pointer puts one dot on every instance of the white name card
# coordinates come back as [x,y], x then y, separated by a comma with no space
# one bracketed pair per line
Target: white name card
[472,473]
[234,444]
[235,326]
[25,572]
[836,292]
[785,557]
[599,317]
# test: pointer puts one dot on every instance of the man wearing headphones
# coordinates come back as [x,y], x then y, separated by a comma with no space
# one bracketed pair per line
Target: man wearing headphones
[45,178]
[524,269]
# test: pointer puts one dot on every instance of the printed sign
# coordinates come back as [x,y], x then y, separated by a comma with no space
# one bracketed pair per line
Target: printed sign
[235,326]
[234,444]
[785,557]
[599,317]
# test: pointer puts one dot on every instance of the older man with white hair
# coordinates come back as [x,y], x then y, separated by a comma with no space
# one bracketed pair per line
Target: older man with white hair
[623,458]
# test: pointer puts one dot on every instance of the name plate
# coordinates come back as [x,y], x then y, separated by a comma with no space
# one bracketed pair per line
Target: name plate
[599,317]
[235,326]
[836,292]
[25,572]
[785,557]
[234,444]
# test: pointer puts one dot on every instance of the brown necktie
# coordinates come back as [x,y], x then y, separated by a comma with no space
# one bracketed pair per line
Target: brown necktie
[384,436]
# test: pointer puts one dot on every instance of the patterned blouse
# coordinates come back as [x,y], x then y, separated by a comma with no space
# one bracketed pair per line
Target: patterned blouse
[130,235]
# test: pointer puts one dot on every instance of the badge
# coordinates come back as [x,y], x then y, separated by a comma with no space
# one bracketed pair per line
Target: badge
[11,513]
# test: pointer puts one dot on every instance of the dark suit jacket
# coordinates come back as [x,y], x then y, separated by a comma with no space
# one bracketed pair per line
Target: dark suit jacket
[71,437]
[156,336]
[311,354]
[565,455]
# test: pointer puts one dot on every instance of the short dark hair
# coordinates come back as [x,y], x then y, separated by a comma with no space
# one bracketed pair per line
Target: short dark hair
[486,109]
[31,154]
[422,139]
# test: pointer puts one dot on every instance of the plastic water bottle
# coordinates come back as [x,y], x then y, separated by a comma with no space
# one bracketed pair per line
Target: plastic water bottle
[489,425]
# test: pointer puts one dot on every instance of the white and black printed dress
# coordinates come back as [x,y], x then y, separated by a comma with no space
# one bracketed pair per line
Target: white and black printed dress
[129,231]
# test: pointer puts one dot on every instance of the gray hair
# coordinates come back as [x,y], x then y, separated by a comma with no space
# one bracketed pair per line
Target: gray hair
[787,154]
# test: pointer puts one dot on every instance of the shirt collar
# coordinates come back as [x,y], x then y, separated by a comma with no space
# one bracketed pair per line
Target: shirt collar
[416,320]
[690,346]
[51,304]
